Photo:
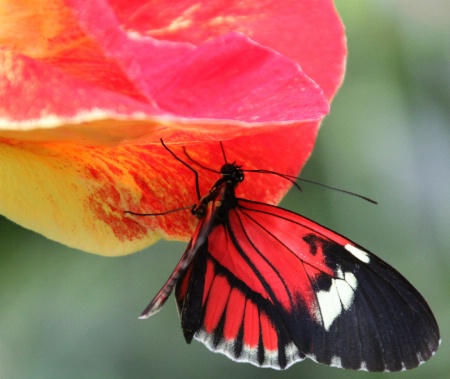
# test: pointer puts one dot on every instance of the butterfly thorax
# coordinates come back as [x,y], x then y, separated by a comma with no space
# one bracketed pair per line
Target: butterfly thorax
[223,190]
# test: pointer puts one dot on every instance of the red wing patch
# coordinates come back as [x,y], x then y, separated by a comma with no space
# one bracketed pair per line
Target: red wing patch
[234,320]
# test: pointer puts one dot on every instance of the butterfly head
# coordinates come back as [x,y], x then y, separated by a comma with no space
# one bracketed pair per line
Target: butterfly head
[232,173]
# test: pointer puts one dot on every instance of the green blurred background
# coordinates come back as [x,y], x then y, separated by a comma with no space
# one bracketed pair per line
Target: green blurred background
[66,314]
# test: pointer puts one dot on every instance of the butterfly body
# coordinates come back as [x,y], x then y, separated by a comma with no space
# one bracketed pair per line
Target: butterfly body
[267,286]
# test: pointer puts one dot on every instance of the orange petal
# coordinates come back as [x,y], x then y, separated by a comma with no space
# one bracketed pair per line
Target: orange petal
[78,194]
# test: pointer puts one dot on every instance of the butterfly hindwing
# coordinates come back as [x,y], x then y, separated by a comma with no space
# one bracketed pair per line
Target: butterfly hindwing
[233,319]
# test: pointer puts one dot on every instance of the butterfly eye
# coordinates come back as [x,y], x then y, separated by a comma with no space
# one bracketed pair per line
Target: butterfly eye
[232,173]
[228,169]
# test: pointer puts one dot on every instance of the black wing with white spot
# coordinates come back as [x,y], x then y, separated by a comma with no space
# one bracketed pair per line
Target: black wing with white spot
[271,287]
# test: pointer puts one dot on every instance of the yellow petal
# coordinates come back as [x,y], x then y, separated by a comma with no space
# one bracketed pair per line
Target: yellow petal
[78,194]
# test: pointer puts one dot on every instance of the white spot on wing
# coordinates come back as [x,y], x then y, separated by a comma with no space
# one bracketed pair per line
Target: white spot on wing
[292,354]
[363,366]
[358,253]
[336,361]
[249,354]
[337,299]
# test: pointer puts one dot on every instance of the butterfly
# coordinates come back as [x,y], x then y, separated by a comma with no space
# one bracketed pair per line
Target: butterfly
[265,285]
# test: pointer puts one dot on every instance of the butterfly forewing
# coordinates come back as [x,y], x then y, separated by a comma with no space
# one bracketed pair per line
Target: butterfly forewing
[341,305]
[208,210]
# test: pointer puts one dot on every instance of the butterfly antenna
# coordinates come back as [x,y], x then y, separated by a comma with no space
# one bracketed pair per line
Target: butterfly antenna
[223,152]
[290,178]
[293,179]
[197,186]
[202,165]
[198,163]
[340,190]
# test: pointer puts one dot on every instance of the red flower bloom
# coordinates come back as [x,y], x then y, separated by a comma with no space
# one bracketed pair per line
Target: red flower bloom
[89,88]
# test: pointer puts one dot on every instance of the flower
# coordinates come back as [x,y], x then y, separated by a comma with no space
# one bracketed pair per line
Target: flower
[88,88]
